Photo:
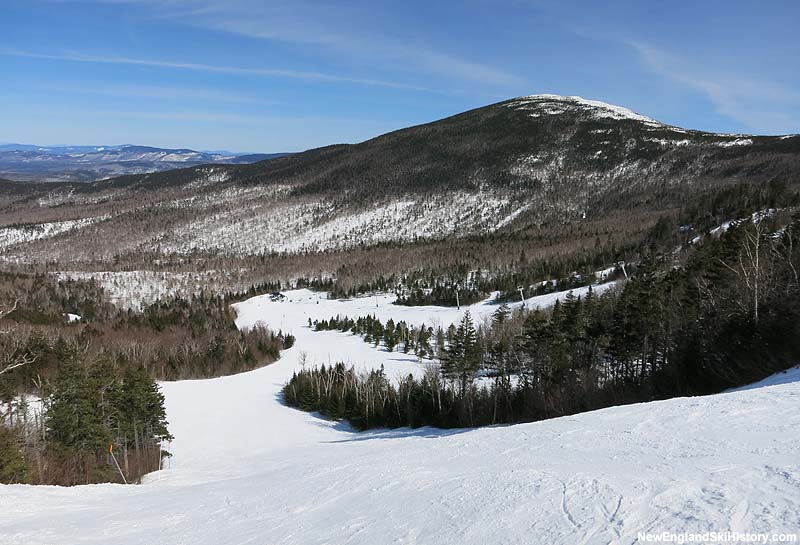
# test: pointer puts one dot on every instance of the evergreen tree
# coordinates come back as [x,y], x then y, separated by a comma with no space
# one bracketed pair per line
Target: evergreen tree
[500,315]
[390,336]
[463,356]
[143,419]
[76,430]
[13,467]
[423,347]
[534,344]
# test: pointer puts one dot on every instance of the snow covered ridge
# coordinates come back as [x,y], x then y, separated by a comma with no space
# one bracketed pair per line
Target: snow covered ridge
[261,226]
[737,142]
[755,217]
[548,104]
[556,104]
[136,289]
[271,474]
[209,176]
[665,142]
[10,236]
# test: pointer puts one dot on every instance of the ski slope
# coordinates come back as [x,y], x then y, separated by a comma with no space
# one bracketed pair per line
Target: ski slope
[249,470]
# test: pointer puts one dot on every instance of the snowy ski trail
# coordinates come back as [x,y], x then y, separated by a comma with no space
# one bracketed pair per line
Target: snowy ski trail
[249,470]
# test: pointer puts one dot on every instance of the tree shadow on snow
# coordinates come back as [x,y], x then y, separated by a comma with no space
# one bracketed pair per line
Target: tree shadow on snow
[401,433]
[425,432]
[787,376]
[319,419]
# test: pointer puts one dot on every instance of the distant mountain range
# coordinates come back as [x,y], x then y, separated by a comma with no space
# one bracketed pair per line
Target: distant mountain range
[546,169]
[25,162]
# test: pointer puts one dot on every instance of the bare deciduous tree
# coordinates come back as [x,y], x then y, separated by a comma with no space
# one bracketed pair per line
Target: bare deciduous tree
[11,360]
[754,267]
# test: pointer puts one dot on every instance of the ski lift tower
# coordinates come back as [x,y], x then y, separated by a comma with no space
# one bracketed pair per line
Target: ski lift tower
[458,303]
[522,294]
[622,264]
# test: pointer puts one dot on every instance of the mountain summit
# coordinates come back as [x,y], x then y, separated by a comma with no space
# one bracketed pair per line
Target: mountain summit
[545,104]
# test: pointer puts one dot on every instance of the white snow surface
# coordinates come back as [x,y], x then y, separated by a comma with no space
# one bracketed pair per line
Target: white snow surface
[249,470]
[755,217]
[136,289]
[557,104]
[9,236]
[261,225]
[737,142]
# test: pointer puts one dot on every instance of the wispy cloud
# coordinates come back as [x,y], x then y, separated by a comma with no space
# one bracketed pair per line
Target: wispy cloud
[201,67]
[337,28]
[157,92]
[190,116]
[760,104]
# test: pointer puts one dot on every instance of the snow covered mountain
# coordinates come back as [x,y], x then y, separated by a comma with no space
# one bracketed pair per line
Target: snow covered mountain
[248,469]
[522,166]
[90,163]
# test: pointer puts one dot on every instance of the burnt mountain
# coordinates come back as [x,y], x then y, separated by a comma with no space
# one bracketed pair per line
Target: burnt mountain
[545,169]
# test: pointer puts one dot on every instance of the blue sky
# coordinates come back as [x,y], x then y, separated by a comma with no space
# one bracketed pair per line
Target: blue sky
[261,75]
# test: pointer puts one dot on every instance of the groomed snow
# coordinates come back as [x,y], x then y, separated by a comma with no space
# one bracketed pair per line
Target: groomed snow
[248,470]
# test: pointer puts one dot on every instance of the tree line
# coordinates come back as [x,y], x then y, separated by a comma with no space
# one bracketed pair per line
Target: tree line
[394,336]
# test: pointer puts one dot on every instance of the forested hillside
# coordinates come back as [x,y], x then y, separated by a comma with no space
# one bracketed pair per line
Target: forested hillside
[561,174]
[77,375]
